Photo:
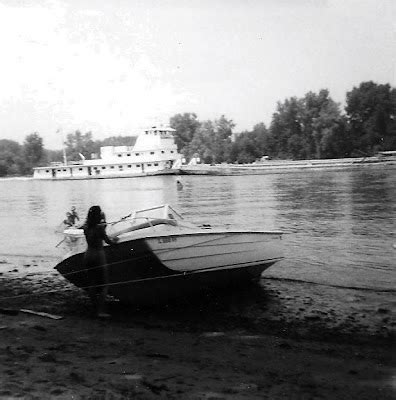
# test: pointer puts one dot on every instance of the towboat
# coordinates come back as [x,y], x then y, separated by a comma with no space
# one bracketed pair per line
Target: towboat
[160,256]
[154,153]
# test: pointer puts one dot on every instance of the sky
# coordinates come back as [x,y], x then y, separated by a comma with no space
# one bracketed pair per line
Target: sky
[117,67]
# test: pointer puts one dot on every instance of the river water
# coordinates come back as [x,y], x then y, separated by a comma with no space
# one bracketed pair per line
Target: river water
[340,226]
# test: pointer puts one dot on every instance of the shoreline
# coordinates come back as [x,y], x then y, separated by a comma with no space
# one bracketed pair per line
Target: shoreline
[265,167]
[280,340]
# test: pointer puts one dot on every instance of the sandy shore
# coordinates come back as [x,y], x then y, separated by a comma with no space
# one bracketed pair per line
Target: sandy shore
[284,340]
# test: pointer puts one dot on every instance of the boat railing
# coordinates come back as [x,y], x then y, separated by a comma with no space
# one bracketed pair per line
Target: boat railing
[168,212]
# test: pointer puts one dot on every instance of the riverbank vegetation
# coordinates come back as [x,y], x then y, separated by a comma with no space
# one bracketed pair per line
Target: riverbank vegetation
[311,127]
[17,159]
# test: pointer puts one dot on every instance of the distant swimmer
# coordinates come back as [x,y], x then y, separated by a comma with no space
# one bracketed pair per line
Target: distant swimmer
[179,184]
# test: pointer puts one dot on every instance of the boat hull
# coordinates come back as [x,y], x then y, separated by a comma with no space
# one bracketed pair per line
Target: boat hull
[70,177]
[162,289]
[156,269]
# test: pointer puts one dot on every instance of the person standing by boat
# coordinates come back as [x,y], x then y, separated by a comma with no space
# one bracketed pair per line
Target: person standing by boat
[68,221]
[74,216]
[71,217]
[95,261]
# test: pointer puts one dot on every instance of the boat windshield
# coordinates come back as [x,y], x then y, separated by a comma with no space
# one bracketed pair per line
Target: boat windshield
[145,218]
[164,211]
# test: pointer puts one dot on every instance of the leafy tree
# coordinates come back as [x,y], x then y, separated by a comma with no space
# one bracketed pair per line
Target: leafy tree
[335,142]
[322,122]
[11,158]
[33,151]
[286,130]
[80,143]
[310,127]
[262,138]
[212,141]
[250,146]
[244,149]
[53,155]
[186,126]
[371,114]
[202,142]
[221,140]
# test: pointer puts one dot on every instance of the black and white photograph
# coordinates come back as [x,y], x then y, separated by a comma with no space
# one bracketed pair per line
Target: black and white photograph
[198,199]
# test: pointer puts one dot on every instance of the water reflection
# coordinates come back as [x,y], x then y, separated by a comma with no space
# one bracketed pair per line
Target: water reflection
[208,197]
[318,192]
[314,202]
[37,204]
[372,196]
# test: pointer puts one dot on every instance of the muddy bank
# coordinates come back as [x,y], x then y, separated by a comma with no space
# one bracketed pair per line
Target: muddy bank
[280,340]
[290,308]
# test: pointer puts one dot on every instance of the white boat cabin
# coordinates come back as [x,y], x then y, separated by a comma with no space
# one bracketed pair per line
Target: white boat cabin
[154,152]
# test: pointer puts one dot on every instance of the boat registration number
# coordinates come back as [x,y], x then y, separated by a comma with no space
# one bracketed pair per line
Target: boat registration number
[167,239]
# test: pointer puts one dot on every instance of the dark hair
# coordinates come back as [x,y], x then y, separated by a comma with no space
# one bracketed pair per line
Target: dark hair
[94,216]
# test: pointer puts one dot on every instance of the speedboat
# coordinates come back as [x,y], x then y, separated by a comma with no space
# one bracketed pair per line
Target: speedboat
[160,256]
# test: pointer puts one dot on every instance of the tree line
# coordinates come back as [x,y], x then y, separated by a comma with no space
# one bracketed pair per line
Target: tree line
[17,159]
[311,127]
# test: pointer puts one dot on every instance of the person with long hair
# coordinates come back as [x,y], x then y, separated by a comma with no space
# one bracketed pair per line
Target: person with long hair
[95,258]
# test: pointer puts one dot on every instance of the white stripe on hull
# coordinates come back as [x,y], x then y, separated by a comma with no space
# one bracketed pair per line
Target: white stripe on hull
[212,250]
